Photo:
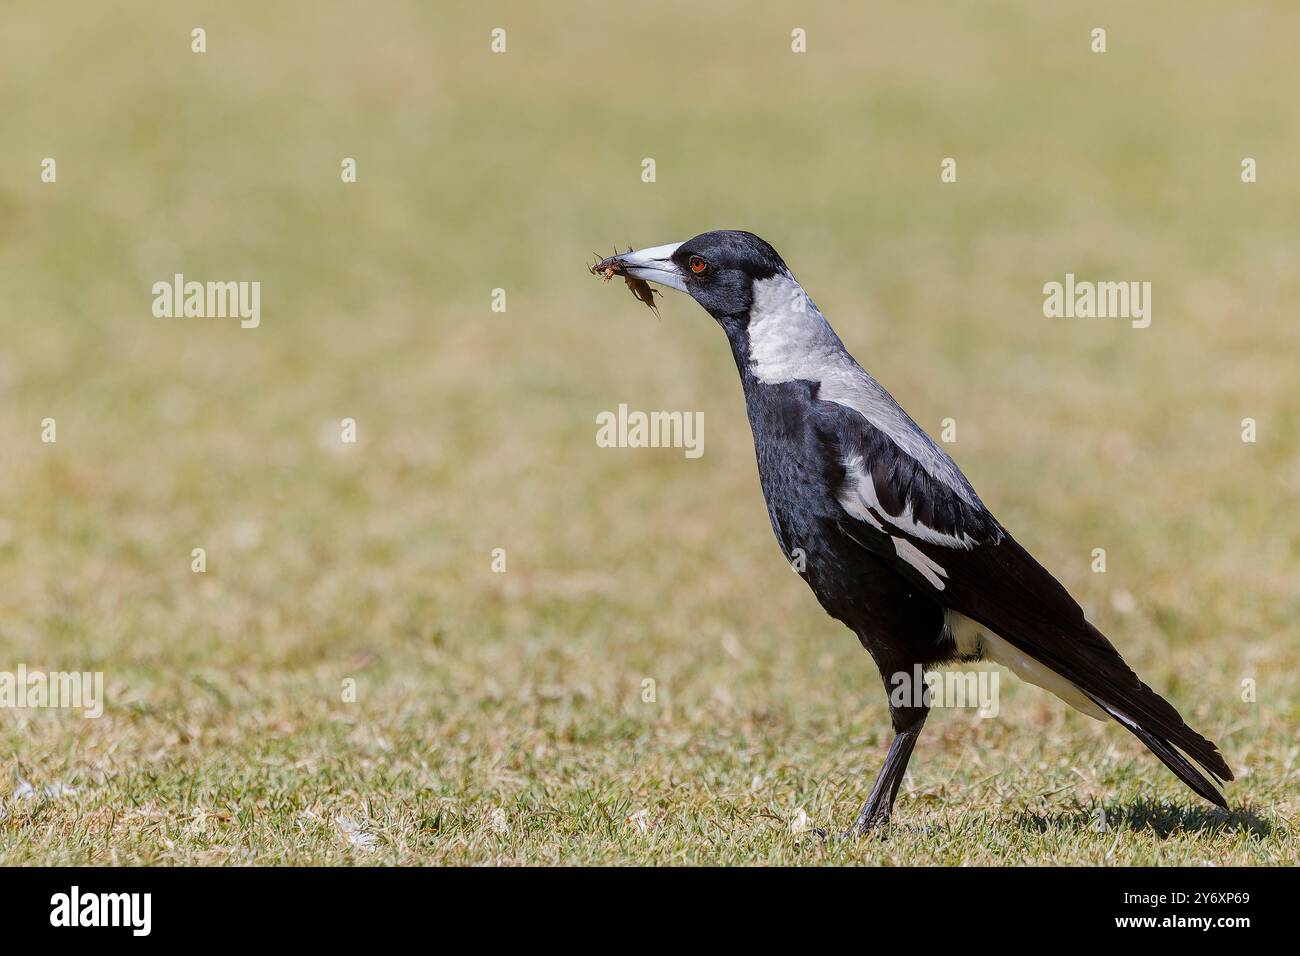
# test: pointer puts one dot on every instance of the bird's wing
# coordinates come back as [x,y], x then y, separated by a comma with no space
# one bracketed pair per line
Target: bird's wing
[905,500]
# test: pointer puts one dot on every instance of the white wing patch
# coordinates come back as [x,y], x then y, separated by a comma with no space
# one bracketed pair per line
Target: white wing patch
[930,569]
[857,479]
[850,498]
[855,502]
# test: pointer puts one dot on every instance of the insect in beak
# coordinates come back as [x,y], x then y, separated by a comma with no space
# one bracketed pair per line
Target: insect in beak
[613,266]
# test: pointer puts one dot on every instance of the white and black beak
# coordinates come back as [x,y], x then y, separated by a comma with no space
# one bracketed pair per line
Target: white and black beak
[654,264]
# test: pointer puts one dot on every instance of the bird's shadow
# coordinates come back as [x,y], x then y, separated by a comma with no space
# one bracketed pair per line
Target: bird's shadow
[1154,816]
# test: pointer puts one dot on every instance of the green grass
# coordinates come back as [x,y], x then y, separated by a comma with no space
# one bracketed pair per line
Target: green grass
[499,717]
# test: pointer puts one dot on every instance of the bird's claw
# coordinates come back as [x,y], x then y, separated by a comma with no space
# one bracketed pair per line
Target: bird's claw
[877,824]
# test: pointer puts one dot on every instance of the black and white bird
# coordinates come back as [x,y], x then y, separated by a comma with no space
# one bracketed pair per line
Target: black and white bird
[895,542]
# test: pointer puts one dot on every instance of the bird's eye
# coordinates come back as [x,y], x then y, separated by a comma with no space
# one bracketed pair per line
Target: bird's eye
[697,264]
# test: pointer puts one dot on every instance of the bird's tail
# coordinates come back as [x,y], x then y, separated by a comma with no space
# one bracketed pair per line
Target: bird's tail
[1155,722]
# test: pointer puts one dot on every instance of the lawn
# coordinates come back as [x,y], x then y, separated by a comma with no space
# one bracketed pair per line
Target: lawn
[354,679]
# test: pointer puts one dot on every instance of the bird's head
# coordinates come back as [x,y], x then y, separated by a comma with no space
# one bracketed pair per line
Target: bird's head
[716,269]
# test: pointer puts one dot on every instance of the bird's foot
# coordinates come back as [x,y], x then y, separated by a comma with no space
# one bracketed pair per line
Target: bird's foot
[879,830]
[878,826]
[871,821]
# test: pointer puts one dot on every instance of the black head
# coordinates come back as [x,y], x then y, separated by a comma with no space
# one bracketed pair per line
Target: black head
[717,269]
[720,269]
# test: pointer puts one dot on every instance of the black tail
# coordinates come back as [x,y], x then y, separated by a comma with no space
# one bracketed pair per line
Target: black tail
[1155,722]
[1002,587]
[1179,765]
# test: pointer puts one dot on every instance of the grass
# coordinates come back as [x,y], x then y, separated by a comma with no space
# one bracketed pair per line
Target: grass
[499,717]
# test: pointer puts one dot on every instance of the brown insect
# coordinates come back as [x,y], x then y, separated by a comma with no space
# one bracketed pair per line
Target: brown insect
[613,266]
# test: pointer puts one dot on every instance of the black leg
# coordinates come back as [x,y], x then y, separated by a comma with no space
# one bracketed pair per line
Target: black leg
[880,804]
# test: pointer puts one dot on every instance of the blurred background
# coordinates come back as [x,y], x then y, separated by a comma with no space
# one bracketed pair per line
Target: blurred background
[499,717]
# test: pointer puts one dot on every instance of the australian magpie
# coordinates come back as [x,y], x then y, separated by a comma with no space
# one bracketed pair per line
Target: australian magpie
[894,541]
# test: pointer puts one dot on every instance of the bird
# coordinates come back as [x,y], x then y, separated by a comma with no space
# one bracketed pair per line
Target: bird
[891,536]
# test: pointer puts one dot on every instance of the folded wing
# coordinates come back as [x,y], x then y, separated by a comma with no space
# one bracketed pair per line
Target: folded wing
[917,511]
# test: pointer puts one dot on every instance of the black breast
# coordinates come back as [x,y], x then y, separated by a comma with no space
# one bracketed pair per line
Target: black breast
[898,624]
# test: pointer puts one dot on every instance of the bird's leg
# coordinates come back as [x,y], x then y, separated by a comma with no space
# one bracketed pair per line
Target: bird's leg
[907,722]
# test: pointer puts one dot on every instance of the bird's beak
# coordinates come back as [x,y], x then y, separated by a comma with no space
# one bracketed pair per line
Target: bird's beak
[653,265]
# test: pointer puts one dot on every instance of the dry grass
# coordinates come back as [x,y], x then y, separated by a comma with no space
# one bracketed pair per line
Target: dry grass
[500,716]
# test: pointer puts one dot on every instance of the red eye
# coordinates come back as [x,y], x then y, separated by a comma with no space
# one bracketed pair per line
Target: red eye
[697,264]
